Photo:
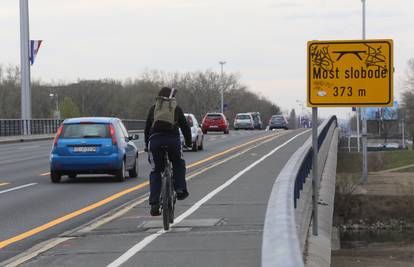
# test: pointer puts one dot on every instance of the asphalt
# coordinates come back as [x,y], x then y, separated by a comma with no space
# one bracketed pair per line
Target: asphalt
[224,228]
[28,199]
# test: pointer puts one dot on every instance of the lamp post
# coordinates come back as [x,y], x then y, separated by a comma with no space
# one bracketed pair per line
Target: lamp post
[26,110]
[364,117]
[222,86]
[301,112]
[57,104]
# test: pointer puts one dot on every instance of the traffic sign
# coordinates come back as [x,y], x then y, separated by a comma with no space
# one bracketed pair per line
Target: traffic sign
[352,73]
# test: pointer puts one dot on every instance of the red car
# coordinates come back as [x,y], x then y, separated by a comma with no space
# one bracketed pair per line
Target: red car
[215,122]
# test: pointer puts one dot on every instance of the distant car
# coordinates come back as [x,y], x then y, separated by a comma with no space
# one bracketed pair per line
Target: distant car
[93,146]
[197,136]
[243,121]
[257,121]
[278,122]
[215,122]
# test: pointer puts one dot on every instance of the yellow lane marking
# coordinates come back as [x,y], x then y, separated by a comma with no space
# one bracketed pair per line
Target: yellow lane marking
[2,184]
[69,216]
[213,156]
[74,214]
[231,149]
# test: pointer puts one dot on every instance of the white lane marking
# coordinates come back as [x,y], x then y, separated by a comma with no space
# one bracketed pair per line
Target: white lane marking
[28,147]
[99,222]
[17,188]
[24,159]
[142,244]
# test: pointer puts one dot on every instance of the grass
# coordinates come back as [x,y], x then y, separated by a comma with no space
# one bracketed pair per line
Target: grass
[411,169]
[398,158]
[351,162]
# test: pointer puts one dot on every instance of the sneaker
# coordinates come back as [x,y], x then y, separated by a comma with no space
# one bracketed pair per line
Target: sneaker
[182,194]
[155,210]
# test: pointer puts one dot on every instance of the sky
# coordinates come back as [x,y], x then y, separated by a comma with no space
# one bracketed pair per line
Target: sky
[262,40]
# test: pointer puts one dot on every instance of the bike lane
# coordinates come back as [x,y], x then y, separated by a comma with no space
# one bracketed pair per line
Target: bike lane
[224,230]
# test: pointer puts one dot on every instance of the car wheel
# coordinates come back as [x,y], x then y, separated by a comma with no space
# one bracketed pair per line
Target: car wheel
[201,146]
[226,132]
[133,173]
[120,174]
[204,132]
[236,129]
[55,176]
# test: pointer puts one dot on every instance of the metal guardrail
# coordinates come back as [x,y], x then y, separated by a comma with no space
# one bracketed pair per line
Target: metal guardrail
[15,127]
[281,245]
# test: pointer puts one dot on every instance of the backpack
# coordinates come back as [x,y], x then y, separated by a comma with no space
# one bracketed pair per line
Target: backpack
[164,113]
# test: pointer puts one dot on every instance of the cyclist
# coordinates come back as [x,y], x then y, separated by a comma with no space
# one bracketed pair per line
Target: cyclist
[164,120]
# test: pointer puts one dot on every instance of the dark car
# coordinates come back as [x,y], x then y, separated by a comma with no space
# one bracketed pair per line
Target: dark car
[215,122]
[278,122]
[257,121]
[93,146]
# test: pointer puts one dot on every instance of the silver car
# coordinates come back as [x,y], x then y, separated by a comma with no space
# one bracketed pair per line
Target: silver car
[243,121]
[197,136]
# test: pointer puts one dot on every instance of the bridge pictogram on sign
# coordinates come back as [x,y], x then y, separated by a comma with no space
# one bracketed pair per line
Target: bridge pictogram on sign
[355,73]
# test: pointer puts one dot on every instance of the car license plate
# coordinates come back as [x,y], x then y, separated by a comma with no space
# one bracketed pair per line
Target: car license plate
[84,149]
[213,126]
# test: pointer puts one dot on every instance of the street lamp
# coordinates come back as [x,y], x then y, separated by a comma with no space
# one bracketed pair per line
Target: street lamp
[26,109]
[222,86]
[301,112]
[57,104]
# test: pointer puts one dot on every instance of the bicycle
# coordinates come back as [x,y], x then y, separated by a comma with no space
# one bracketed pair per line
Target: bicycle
[168,195]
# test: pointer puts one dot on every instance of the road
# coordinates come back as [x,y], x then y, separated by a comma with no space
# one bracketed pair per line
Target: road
[33,209]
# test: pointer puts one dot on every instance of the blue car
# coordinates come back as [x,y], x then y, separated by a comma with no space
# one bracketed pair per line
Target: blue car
[93,146]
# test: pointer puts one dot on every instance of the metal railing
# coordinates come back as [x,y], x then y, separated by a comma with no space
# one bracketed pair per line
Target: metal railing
[16,127]
[134,125]
[282,243]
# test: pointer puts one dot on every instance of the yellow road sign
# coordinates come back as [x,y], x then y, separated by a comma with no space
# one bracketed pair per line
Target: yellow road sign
[357,73]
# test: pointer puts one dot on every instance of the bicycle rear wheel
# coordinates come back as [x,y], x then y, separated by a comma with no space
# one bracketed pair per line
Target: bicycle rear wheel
[166,212]
[172,204]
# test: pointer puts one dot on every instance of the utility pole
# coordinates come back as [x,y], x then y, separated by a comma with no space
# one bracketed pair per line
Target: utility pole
[26,109]
[364,117]
[222,86]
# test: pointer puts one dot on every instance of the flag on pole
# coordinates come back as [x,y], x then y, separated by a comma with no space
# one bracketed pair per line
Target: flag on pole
[34,48]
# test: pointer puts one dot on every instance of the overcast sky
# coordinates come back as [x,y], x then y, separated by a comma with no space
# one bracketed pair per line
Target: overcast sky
[263,40]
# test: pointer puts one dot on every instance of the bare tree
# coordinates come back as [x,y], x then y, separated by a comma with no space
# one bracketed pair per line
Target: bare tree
[407,104]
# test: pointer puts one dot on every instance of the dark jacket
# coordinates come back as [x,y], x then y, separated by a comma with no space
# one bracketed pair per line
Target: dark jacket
[180,122]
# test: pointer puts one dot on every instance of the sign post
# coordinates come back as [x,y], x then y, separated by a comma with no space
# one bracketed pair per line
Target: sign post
[349,73]
[315,179]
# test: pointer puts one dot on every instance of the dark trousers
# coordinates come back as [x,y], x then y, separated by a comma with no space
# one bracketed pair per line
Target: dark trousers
[156,159]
